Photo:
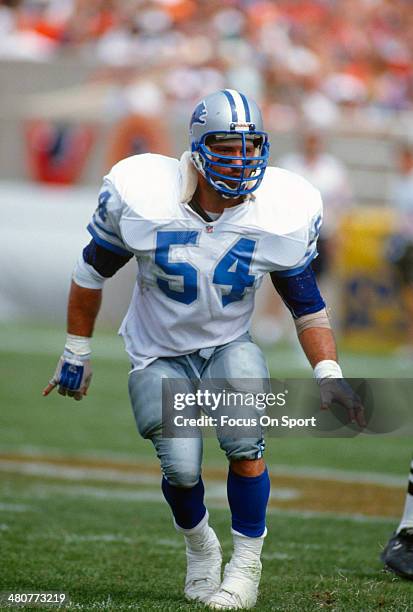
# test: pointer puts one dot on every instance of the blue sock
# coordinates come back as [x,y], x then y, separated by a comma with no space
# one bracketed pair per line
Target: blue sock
[187,504]
[248,498]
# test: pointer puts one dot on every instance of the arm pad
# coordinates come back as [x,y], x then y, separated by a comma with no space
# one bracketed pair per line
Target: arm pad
[104,261]
[300,292]
[96,264]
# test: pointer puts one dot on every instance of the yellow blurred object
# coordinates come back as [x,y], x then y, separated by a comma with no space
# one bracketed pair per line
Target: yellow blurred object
[371,312]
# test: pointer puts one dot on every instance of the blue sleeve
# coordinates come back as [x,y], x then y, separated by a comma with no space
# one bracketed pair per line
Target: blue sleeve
[300,292]
[105,261]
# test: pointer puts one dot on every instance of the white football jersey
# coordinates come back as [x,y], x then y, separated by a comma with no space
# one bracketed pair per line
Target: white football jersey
[196,279]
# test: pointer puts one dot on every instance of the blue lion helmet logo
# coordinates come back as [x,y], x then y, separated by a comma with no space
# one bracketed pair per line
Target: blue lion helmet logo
[199,115]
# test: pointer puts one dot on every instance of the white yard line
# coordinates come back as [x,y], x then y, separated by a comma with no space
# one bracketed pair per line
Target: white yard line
[148,489]
[103,537]
[4,507]
[45,491]
[216,488]
[334,516]
[28,465]
[276,555]
[78,473]
[317,473]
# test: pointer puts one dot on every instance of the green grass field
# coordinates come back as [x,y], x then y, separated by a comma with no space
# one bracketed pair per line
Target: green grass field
[81,510]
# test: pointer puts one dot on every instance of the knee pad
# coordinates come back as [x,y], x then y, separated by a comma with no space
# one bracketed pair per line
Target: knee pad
[184,478]
[180,459]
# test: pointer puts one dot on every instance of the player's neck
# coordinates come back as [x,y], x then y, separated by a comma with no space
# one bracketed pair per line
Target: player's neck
[210,200]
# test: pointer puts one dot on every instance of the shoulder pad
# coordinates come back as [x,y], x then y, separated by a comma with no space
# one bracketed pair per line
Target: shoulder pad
[148,185]
[286,202]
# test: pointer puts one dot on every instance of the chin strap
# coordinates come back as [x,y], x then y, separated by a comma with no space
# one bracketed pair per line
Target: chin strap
[227,196]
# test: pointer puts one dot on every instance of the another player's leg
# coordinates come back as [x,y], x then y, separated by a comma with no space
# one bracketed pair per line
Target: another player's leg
[182,484]
[398,553]
[248,484]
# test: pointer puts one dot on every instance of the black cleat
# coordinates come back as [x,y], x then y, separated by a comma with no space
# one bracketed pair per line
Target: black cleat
[398,554]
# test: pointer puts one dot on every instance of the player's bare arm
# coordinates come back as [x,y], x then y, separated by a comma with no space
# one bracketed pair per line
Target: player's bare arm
[99,260]
[301,295]
[83,308]
[318,344]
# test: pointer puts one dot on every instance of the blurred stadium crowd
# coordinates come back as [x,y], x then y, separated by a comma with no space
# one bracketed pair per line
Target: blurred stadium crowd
[320,69]
[311,59]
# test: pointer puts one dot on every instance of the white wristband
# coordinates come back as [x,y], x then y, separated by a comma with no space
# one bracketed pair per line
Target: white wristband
[78,345]
[328,368]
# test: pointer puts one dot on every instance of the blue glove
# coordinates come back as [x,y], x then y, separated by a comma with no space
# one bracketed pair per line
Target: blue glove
[72,375]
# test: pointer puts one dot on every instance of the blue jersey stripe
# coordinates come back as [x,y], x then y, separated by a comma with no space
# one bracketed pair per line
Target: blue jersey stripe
[232,105]
[105,244]
[103,229]
[294,271]
[246,108]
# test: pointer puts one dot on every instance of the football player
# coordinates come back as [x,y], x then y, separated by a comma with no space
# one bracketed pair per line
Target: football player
[204,229]
[398,553]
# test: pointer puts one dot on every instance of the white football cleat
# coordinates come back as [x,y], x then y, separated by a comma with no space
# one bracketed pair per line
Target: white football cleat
[239,588]
[204,559]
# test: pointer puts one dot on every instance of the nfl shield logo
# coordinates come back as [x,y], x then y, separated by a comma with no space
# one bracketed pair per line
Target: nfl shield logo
[209,229]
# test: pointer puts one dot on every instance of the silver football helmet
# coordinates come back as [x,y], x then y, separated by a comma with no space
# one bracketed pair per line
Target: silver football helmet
[229,114]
